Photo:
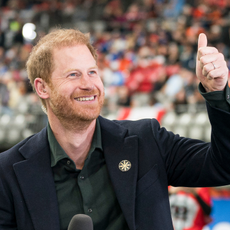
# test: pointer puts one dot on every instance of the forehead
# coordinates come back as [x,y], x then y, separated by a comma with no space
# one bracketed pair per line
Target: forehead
[77,54]
[75,50]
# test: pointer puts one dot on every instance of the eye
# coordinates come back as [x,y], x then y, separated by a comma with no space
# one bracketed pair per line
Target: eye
[74,74]
[92,72]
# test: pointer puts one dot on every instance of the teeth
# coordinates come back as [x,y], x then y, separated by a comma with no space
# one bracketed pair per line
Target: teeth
[85,98]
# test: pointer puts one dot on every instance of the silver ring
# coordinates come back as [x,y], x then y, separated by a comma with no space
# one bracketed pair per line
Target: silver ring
[214,65]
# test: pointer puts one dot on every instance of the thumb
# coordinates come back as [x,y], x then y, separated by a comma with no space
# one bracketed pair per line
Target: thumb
[202,40]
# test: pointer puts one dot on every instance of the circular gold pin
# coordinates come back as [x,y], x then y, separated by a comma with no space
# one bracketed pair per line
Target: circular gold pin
[124,165]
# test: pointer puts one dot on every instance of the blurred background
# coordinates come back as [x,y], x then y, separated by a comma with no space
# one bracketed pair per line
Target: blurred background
[147,52]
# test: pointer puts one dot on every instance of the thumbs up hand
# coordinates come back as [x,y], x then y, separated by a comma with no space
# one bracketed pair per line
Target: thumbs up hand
[211,68]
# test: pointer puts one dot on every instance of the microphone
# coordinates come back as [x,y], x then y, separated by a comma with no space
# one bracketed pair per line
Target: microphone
[81,222]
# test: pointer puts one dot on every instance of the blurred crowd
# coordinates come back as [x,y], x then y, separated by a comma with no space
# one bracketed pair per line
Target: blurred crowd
[146,48]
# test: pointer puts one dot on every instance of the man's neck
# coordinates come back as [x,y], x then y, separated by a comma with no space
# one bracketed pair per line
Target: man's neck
[75,142]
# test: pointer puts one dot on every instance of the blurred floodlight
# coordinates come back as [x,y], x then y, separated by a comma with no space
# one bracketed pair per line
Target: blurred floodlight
[28,31]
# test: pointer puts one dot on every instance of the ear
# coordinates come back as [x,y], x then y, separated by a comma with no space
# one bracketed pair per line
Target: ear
[41,88]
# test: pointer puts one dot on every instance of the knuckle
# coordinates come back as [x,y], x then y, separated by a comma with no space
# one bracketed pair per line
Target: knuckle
[202,51]
[202,60]
[203,72]
[206,68]
[215,50]
[221,56]
[211,74]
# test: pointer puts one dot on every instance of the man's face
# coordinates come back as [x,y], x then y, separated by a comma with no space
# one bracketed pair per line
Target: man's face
[76,89]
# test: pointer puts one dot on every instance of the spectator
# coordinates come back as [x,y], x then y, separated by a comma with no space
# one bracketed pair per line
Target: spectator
[4,99]
[190,207]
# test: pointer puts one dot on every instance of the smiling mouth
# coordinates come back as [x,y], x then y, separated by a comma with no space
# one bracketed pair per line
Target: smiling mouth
[91,98]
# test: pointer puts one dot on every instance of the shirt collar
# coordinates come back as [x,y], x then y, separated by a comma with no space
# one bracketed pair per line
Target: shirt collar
[57,152]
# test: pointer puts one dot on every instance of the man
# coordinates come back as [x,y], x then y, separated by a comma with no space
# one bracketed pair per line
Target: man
[117,172]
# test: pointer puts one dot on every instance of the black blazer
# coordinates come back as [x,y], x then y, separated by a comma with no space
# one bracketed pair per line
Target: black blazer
[158,158]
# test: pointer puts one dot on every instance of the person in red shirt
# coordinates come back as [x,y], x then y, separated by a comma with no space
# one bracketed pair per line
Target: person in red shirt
[190,207]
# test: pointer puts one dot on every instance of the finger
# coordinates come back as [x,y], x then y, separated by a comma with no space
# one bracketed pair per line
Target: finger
[208,67]
[216,73]
[213,66]
[206,51]
[202,41]
[217,57]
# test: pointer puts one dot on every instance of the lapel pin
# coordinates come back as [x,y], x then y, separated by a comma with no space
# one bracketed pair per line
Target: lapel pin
[124,165]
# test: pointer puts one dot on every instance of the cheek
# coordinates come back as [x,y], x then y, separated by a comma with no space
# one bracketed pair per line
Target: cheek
[61,93]
[100,86]
[60,83]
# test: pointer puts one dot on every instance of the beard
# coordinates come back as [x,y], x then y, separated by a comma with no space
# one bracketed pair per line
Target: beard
[71,113]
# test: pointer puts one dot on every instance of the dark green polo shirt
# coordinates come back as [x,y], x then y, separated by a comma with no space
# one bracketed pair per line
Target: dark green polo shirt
[87,191]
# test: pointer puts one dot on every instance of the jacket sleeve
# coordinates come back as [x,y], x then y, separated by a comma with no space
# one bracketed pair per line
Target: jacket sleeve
[195,163]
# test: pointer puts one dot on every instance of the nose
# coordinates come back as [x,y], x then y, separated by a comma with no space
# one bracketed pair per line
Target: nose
[86,83]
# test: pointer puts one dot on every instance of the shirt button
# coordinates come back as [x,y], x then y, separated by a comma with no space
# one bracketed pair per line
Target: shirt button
[82,177]
[227,96]
[90,210]
[68,162]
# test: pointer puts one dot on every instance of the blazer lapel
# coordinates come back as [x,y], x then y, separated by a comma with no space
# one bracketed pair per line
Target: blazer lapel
[35,178]
[118,148]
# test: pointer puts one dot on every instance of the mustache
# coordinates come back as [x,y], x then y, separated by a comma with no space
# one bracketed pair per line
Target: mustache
[94,92]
